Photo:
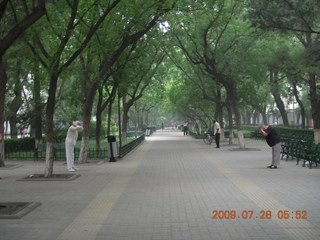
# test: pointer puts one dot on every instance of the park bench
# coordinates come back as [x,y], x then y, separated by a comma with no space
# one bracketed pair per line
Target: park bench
[299,146]
[310,154]
[303,150]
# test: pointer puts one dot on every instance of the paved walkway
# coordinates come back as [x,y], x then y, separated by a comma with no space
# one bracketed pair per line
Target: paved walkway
[169,188]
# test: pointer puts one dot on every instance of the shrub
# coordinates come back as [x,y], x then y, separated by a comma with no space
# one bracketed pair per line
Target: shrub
[19,144]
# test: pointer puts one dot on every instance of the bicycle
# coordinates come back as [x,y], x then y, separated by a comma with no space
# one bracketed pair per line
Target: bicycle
[208,138]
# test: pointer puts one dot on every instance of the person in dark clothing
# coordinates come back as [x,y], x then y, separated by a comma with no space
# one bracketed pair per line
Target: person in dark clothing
[185,129]
[273,140]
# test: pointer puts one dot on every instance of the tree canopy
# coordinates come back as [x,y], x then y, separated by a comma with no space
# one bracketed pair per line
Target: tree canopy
[124,65]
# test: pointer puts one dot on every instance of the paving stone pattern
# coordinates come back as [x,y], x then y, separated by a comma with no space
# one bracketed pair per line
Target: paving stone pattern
[167,188]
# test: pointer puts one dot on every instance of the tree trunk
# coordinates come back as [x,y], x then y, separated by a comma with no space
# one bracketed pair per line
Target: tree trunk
[239,126]
[298,119]
[49,159]
[219,113]
[125,121]
[13,127]
[277,97]
[49,126]
[231,137]
[200,127]
[87,110]
[109,118]
[255,117]
[37,114]
[147,118]
[3,83]
[220,119]
[258,117]
[248,117]
[83,155]
[85,140]
[282,109]
[98,131]
[264,117]
[99,120]
[302,109]
[233,103]
[315,109]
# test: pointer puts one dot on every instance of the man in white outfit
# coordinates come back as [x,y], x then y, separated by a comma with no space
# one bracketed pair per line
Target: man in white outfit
[217,131]
[71,139]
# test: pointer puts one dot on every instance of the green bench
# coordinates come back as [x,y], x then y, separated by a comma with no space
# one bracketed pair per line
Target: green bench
[303,150]
[310,155]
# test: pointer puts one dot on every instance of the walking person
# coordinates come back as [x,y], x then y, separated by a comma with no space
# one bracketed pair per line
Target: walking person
[216,132]
[273,140]
[71,139]
[185,129]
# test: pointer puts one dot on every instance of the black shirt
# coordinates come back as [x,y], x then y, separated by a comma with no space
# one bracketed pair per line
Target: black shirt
[273,138]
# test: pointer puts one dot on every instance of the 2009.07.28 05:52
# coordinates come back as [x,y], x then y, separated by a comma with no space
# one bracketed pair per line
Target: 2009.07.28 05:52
[263,214]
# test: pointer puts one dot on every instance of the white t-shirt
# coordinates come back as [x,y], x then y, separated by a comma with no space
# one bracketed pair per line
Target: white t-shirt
[216,128]
[72,135]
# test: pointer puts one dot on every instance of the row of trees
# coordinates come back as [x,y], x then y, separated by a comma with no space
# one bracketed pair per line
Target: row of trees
[76,55]
[244,56]
[71,59]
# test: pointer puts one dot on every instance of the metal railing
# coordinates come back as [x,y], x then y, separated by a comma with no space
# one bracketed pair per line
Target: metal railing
[130,146]
[60,154]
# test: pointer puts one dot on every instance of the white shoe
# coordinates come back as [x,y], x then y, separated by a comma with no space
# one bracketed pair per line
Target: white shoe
[71,170]
[75,168]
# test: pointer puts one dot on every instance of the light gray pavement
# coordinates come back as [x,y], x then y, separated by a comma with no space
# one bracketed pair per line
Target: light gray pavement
[167,188]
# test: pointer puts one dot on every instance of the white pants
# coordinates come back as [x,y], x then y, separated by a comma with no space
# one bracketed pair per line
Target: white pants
[276,154]
[70,155]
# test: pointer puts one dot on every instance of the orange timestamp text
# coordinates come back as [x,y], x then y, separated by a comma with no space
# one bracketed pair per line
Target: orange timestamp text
[263,214]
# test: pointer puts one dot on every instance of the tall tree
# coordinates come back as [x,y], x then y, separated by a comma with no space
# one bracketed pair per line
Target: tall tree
[15,27]
[56,56]
[213,44]
[138,77]
[139,23]
[301,19]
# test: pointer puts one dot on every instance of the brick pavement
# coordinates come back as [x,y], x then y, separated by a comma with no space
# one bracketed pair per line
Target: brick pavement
[167,189]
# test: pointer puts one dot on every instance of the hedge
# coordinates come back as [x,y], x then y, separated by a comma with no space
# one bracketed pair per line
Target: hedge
[19,144]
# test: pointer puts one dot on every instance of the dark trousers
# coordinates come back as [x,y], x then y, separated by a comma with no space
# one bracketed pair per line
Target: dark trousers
[185,131]
[217,139]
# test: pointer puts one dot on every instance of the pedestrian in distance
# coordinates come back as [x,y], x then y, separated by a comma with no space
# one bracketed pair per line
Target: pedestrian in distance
[273,140]
[185,129]
[71,140]
[216,132]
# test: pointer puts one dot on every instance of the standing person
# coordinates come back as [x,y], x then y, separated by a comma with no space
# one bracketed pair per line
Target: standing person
[216,131]
[273,140]
[71,140]
[185,129]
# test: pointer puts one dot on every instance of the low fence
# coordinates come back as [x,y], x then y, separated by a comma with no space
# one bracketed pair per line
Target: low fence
[60,154]
[130,146]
